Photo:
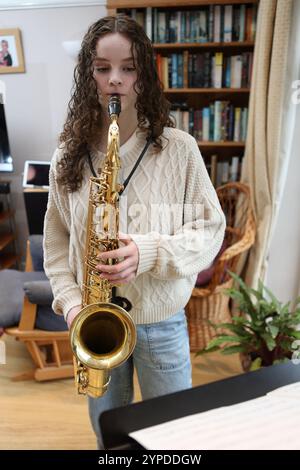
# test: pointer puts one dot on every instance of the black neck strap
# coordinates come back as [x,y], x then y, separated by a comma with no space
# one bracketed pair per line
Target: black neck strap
[148,142]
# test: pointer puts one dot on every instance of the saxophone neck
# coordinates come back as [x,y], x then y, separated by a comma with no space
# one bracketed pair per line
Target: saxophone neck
[113,145]
[112,163]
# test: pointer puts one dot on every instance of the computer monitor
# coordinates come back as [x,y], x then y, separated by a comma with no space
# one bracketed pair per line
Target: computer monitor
[36,174]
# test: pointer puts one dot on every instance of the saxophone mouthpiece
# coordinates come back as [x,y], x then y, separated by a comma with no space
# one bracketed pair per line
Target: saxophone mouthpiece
[114,105]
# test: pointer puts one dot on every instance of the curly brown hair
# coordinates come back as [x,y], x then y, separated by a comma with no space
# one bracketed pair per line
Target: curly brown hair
[81,129]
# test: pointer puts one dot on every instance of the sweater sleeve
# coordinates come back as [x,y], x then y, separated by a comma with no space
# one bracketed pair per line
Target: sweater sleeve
[191,249]
[66,292]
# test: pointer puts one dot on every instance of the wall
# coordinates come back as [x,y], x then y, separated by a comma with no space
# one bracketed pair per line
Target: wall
[36,101]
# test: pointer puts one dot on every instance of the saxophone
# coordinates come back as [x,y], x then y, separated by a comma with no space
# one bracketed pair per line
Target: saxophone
[103,334]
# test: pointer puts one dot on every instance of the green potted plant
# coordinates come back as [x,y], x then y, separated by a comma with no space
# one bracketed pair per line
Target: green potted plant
[265,331]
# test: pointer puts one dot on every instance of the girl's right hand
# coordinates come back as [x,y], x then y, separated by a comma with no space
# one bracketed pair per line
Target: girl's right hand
[73,312]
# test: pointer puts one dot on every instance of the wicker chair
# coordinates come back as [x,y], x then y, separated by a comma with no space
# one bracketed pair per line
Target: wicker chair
[209,302]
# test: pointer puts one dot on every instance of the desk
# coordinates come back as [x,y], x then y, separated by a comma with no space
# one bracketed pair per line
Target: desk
[116,424]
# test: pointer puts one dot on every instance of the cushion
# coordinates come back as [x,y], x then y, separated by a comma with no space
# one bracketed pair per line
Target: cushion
[49,321]
[12,296]
[204,277]
[39,292]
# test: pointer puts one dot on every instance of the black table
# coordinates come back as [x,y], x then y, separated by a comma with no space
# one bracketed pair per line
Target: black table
[116,424]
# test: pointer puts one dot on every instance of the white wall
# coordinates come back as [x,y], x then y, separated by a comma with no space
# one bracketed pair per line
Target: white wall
[36,101]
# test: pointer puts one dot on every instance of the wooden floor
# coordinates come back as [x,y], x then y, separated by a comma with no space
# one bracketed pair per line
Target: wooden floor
[50,415]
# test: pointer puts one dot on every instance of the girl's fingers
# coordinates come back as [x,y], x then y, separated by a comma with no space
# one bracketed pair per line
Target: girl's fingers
[115,268]
[119,276]
[121,252]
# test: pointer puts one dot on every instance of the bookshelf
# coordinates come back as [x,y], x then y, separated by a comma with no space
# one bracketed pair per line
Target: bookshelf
[224,91]
[8,249]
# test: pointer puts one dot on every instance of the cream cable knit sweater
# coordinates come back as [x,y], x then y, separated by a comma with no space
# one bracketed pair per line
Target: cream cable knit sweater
[166,189]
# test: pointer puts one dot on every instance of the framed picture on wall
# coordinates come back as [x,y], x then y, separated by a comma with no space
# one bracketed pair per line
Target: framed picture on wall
[11,53]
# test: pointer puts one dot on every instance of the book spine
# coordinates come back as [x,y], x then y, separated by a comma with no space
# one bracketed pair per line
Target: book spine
[217,23]
[205,122]
[149,22]
[228,23]
[218,66]
[217,121]
[174,71]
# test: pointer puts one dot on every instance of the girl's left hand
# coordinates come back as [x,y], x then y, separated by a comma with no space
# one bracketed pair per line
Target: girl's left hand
[125,271]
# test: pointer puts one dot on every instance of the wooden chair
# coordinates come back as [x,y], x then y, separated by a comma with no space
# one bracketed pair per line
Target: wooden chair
[209,302]
[50,350]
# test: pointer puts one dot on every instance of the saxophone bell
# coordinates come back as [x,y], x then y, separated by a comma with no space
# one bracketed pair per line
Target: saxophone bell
[102,336]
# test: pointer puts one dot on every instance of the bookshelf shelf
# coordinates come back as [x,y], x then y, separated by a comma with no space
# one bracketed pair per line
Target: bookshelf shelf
[5,239]
[8,248]
[115,4]
[5,215]
[207,90]
[230,143]
[204,45]
[8,260]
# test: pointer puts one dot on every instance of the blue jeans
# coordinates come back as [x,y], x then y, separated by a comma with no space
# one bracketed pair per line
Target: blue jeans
[162,361]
